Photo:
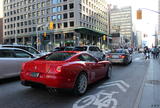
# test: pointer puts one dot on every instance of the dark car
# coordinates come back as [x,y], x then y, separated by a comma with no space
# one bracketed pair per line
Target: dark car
[67,48]
[120,56]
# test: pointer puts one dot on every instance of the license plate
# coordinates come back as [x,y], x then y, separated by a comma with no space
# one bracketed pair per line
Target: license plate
[34,74]
[115,56]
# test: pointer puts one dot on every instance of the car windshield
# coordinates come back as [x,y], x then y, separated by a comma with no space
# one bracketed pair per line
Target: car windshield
[80,49]
[31,50]
[59,56]
[118,51]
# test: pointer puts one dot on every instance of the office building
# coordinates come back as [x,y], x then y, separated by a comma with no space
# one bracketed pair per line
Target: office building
[121,22]
[74,21]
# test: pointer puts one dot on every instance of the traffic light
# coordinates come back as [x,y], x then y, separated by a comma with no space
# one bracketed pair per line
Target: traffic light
[51,25]
[139,14]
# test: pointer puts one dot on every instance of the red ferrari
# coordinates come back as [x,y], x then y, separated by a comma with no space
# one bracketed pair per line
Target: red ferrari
[65,69]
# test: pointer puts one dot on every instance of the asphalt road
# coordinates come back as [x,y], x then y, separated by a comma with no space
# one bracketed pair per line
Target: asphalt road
[128,88]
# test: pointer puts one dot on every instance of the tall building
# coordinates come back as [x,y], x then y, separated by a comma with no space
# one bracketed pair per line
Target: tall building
[121,22]
[1,30]
[75,21]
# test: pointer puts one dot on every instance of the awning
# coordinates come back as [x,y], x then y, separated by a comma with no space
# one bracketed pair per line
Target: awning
[84,30]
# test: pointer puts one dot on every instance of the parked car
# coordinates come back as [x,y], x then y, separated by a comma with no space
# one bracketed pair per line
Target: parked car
[65,69]
[93,50]
[24,47]
[11,60]
[120,56]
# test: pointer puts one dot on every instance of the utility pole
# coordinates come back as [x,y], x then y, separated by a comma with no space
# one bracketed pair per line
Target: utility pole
[109,24]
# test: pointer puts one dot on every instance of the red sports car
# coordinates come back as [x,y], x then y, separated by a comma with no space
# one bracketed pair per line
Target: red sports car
[65,69]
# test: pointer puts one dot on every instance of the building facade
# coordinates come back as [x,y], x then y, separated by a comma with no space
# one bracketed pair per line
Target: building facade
[74,21]
[121,22]
[1,30]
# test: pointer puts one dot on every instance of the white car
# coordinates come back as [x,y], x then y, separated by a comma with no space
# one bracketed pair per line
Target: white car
[93,50]
[11,60]
[24,47]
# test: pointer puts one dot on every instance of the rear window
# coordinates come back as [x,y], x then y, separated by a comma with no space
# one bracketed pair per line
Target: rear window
[80,49]
[118,51]
[59,56]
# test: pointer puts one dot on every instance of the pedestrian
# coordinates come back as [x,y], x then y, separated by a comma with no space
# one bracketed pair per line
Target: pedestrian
[146,53]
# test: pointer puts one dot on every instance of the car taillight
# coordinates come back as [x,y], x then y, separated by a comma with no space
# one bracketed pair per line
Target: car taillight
[122,56]
[109,56]
[58,69]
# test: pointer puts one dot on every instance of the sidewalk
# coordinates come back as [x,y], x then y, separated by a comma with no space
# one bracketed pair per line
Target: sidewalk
[149,96]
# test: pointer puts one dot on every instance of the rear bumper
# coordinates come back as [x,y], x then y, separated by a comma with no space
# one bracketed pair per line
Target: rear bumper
[116,60]
[47,80]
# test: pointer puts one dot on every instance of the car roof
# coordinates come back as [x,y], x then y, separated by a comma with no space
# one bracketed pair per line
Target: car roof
[15,49]
[15,45]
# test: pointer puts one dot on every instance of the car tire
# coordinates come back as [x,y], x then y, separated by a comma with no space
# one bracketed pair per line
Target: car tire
[81,84]
[109,72]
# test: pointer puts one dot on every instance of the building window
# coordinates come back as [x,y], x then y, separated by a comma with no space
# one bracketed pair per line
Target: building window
[34,29]
[71,24]
[71,14]
[48,19]
[59,25]
[30,29]
[71,6]
[54,9]
[56,1]
[42,12]
[64,0]
[54,17]
[33,21]
[21,23]
[33,14]
[59,17]
[43,4]
[25,22]
[38,13]
[25,30]
[59,8]
[33,6]
[64,7]
[38,5]
[48,11]
[65,16]
[38,21]
[29,22]
[65,24]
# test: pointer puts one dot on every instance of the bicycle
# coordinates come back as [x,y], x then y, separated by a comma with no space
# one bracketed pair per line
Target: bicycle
[106,101]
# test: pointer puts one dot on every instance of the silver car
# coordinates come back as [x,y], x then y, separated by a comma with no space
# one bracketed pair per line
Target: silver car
[11,60]
[93,50]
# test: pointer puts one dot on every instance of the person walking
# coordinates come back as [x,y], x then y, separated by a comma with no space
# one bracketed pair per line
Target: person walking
[146,53]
